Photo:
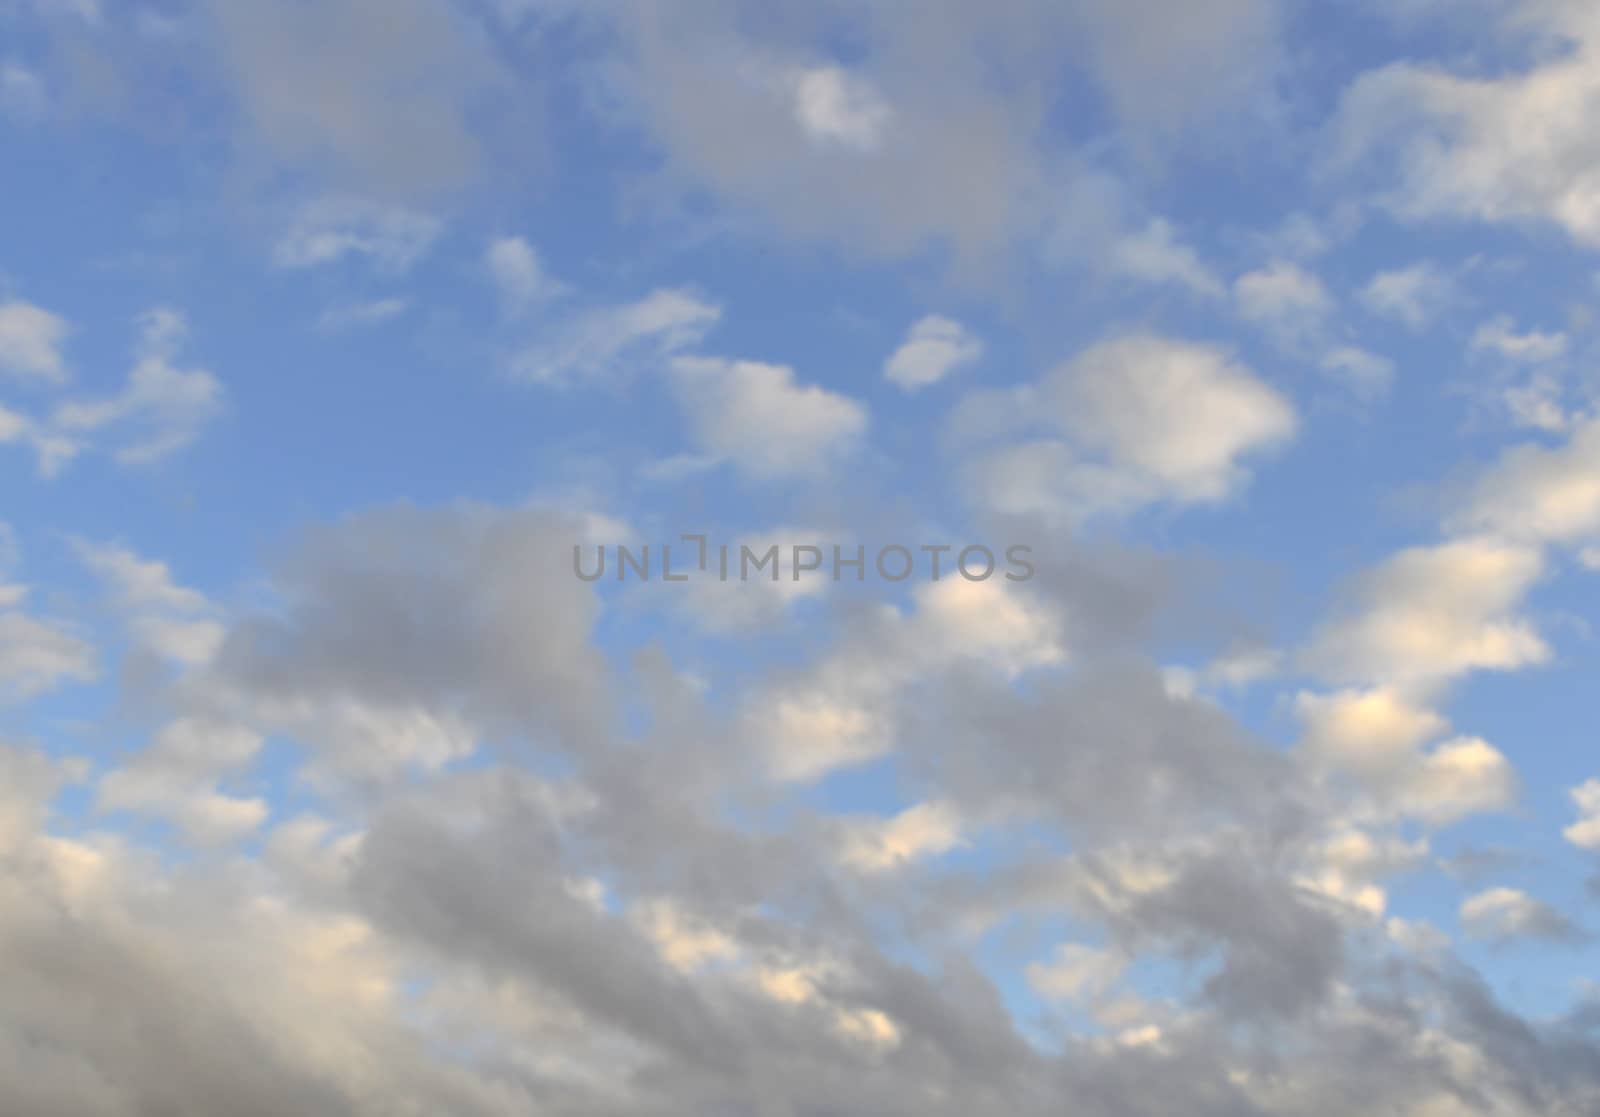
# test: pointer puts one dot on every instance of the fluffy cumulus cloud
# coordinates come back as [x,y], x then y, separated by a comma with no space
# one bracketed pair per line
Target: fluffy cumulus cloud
[1137,420]
[519,276]
[1541,494]
[934,348]
[1511,146]
[1156,254]
[1178,415]
[759,419]
[30,342]
[1505,915]
[1227,388]
[1435,612]
[1585,833]
[1284,298]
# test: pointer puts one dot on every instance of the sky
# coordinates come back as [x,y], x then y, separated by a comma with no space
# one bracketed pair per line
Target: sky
[1255,339]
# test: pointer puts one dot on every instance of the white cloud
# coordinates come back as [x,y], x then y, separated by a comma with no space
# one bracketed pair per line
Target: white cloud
[1539,494]
[881,845]
[1431,613]
[1538,403]
[1460,777]
[1176,416]
[1156,255]
[518,274]
[36,656]
[1585,833]
[1504,915]
[138,583]
[175,778]
[1077,973]
[30,342]
[1372,733]
[1516,147]
[836,107]
[1350,863]
[842,712]
[809,732]
[685,943]
[328,230]
[1499,335]
[160,410]
[616,338]
[1146,420]
[761,420]
[1010,632]
[173,621]
[748,606]
[1286,300]
[1377,736]
[933,349]
[1368,374]
[1413,295]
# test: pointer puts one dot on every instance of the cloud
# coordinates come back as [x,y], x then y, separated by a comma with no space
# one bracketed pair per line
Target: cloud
[925,830]
[1431,613]
[1368,374]
[1167,68]
[1499,336]
[175,778]
[934,348]
[1378,735]
[469,618]
[30,343]
[161,408]
[1077,973]
[759,419]
[1540,494]
[137,582]
[328,230]
[735,959]
[1178,415]
[749,607]
[1585,833]
[614,339]
[1460,777]
[1147,420]
[1286,300]
[1505,915]
[417,822]
[39,655]
[834,107]
[908,142]
[1374,733]
[846,709]
[518,275]
[1413,296]
[1514,147]
[379,95]
[1156,255]
[164,618]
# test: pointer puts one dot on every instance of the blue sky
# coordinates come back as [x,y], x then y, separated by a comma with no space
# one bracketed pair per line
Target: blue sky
[327,331]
